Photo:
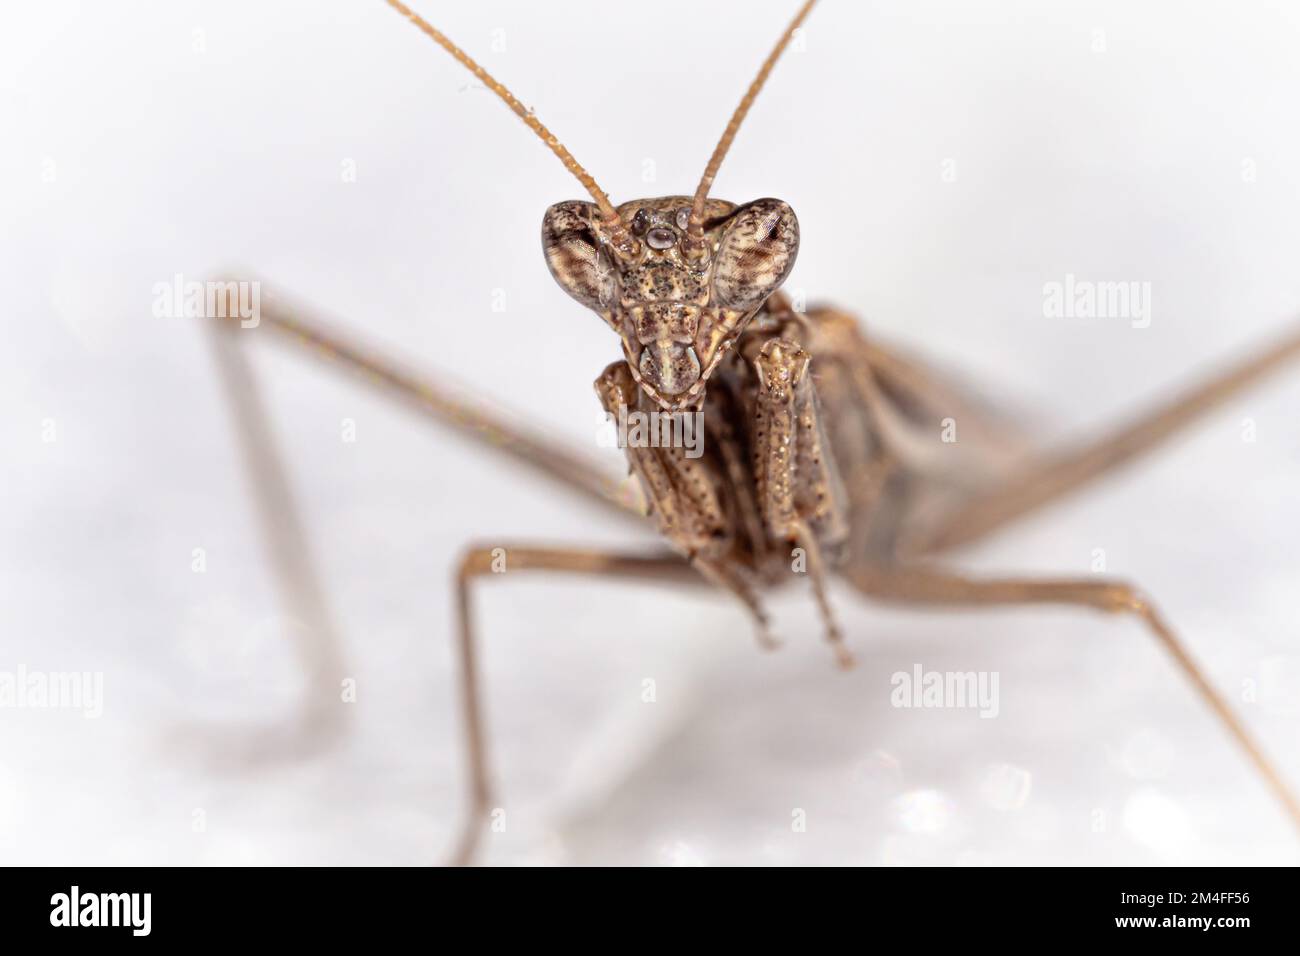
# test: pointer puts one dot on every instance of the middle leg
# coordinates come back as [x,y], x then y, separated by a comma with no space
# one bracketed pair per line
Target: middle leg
[479,562]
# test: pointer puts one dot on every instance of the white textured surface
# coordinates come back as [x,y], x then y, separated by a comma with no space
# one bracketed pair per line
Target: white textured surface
[1125,165]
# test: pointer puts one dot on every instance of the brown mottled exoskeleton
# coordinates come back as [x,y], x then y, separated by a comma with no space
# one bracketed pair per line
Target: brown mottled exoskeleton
[820,454]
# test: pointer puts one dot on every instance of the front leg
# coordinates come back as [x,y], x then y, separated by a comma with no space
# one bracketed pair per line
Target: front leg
[799,489]
[688,499]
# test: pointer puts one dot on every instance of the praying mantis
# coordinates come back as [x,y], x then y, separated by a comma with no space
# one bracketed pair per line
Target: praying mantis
[822,457]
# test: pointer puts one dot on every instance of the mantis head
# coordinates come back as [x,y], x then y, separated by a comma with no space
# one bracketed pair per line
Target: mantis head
[676,307]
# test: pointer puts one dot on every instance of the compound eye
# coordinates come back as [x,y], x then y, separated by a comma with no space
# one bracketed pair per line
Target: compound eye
[757,252]
[683,217]
[640,222]
[575,256]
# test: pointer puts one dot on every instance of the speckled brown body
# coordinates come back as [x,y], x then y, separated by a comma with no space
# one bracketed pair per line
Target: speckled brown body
[785,397]
[797,475]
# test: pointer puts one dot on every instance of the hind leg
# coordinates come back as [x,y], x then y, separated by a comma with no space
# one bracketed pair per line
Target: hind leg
[317,640]
[1052,476]
[920,586]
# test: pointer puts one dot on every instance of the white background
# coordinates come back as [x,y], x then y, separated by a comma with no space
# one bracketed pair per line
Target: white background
[187,137]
